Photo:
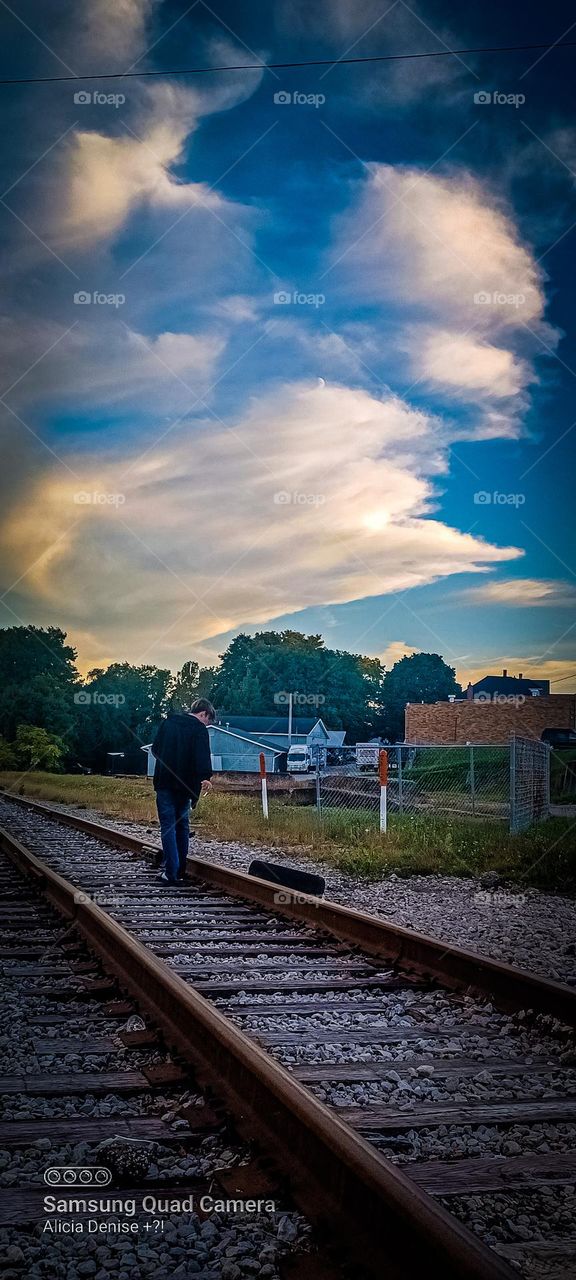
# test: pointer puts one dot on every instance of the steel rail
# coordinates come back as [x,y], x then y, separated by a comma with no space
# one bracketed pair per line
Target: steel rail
[389,1225]
[455,967]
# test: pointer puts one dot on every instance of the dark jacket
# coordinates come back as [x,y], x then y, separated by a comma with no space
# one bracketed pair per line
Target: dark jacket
[182,750]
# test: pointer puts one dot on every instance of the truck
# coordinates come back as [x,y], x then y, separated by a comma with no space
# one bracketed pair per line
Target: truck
[299,759]
[367,755]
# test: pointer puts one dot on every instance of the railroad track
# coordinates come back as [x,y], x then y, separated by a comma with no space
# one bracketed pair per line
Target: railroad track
[420,1114]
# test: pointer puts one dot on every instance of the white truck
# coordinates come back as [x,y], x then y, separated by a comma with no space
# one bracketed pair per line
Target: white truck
[367,755]
[299,759]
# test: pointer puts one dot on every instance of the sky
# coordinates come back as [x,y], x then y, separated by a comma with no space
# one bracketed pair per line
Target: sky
[289,348]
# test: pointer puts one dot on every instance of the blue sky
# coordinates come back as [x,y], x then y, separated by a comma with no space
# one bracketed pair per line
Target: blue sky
[293,347]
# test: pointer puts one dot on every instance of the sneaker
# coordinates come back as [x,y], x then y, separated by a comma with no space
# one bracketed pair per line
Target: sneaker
[164,879]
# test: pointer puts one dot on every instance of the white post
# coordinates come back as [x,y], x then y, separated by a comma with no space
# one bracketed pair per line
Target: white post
[383,774]
[264,784]
[289,719]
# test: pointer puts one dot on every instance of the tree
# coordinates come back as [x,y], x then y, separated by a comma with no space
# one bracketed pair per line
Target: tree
[118,709]
[191,682]
[7,756]
[259,672]
[422,677]
[35,748]
[37,680]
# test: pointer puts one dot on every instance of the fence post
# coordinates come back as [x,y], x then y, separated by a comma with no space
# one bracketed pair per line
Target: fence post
[383,773]
[264,784]
[513,815]
[400,789]
[472,780]
[318,792]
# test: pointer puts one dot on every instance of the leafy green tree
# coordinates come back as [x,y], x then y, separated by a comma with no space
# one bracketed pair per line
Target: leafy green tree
[420,677]
[35,748]
[258,672]
[7,755]
[118,709]
[190,683]
[37,680]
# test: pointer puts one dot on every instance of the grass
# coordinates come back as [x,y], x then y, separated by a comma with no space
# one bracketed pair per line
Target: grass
[543,857]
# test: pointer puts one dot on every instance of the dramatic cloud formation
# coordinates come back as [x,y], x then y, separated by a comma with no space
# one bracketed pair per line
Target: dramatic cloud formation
[463,296]
[317,495]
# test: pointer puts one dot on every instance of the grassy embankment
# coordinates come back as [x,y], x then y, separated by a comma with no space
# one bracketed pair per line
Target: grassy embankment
[544,856]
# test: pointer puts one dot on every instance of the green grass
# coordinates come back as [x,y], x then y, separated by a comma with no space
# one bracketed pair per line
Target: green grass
[544,856]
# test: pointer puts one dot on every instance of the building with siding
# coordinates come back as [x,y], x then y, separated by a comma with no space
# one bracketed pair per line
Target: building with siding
[237,741]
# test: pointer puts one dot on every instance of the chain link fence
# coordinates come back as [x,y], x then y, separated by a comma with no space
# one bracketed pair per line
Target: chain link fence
[508,782]
[529,783]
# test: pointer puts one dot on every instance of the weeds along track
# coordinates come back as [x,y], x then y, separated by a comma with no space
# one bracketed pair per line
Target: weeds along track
[418,1100]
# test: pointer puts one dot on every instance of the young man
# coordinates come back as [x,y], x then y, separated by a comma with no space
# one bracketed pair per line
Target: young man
[182,774]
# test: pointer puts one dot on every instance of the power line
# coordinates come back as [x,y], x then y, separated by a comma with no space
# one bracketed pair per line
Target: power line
[561,679]
[285,66]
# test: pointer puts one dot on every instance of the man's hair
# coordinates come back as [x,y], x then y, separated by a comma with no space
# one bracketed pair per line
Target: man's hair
[202,704]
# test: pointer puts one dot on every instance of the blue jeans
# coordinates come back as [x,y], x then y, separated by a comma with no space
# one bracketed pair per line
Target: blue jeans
[173,811]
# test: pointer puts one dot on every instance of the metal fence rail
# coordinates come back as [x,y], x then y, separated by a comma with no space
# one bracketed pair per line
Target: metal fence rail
[504,781]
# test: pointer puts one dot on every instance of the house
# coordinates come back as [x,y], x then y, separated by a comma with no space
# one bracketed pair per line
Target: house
[494,688]
[237,741]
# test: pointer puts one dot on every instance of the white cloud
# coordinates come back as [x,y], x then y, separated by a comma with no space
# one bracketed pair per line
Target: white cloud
[466,365]
[462,297]
[518,593]
[395,651]
[104,362]
[106,176]
[112,29]
[202,517]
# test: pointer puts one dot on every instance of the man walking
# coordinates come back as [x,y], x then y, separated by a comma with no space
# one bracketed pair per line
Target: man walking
[182,774]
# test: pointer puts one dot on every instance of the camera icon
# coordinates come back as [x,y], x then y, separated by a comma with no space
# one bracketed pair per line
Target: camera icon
[282,97]
[282,297]
[83,698]
[72,1174]
[82,98]
[82,298]
[483,297]
[482,498]
[482,97]
[281,896]
[281,698]
[282,498]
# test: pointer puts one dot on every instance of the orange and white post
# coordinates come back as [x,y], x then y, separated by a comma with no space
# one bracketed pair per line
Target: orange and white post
[383,773]
[264,784]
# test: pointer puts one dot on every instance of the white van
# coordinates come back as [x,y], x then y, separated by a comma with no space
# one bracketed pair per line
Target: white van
[299,760]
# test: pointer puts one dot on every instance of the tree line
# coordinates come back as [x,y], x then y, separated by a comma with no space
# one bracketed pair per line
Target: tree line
[51,718]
